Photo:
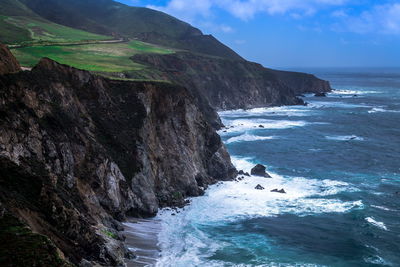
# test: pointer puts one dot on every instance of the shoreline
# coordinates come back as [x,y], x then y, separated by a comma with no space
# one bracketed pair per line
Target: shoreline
[142,239]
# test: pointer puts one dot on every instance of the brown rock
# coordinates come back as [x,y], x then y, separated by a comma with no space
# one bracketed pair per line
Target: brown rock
[8,63]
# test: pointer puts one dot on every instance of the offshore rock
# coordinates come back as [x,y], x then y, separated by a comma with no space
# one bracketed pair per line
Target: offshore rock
[259,187]
[259,170]
[282,191]
[320,94]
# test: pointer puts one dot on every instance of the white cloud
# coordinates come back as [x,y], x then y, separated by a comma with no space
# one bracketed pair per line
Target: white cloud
[243,9]
[186,10]
[380,19]
[383,18]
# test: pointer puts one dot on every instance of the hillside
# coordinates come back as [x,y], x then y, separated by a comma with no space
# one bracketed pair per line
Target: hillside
[20,25]
[107,17]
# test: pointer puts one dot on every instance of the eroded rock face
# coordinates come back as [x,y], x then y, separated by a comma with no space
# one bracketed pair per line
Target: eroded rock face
[232,84]
[8,63]
[78,152]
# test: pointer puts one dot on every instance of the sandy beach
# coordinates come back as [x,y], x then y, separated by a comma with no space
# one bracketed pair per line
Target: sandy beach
[141,239]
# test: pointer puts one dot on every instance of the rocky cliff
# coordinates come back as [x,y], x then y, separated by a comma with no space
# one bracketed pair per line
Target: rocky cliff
[79,152]
[232,84]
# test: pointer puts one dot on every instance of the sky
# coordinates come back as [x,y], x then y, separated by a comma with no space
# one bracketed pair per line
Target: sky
[297,33]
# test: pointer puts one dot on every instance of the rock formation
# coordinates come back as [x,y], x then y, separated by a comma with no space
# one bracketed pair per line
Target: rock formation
[232,84]
[8,63]
[259,170]
[79,152]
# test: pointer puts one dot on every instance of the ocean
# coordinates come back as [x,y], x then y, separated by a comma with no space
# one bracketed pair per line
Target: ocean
[338,159]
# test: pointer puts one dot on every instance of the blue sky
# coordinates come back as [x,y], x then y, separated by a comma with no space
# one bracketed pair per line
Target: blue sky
[297,33]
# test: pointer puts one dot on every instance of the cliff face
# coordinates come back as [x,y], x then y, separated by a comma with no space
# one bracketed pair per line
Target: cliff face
[302,83]
[232,84]
[8,63]
[78,152]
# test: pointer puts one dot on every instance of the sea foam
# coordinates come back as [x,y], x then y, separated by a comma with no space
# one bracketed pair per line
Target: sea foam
[183,241]
[242,125]
[248,138]
[345,138]
[353,92]
[380,225]
[377,110]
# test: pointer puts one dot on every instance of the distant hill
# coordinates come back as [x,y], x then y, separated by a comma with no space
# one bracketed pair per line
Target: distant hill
[20,25]
[107,17]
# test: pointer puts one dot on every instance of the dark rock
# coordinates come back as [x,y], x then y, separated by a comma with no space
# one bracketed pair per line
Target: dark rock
[261,126]
[355,95]
[8,63]
[320,94]
[85,263]
[282,191]
[259,187]
[259,170]
[241,172]
[227,84]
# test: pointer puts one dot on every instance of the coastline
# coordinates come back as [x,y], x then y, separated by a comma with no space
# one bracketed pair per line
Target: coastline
[142,239]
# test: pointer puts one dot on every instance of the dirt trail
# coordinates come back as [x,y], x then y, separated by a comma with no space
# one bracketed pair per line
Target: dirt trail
[113,41]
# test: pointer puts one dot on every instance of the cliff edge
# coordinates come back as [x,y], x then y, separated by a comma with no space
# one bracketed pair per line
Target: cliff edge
[232,84]
[79,152]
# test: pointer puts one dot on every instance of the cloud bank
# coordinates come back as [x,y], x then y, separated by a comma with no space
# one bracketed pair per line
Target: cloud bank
[381,18]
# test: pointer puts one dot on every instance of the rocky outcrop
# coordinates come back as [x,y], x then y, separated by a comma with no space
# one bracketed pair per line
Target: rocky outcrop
[78,152]
[8,63]
[231,84]
[259,170]
[302,83]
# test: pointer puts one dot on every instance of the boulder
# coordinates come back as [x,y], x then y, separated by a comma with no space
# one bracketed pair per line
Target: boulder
[259,187]
[261,126]
[259,170]
[321,94]
[241,172]
[282,191]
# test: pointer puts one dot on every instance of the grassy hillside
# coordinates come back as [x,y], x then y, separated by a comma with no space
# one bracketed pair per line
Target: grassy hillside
[107,57]
[111,18]
[19,25]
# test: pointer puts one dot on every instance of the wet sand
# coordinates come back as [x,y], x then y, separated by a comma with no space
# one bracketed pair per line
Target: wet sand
[141,239]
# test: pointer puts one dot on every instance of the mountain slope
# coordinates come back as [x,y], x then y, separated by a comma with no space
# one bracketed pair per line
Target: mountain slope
[111,18]
[20,25]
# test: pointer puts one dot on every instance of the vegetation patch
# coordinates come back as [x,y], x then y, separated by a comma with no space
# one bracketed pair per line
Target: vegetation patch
[104,57]
[29,31]
[110,234]
[22,247]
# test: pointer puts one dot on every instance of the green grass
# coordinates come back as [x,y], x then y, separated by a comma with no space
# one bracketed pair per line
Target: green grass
[10,33]
[42,31]
[112,57]
[110,234]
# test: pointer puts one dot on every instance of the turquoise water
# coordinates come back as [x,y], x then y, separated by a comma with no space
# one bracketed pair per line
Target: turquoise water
[338,160]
